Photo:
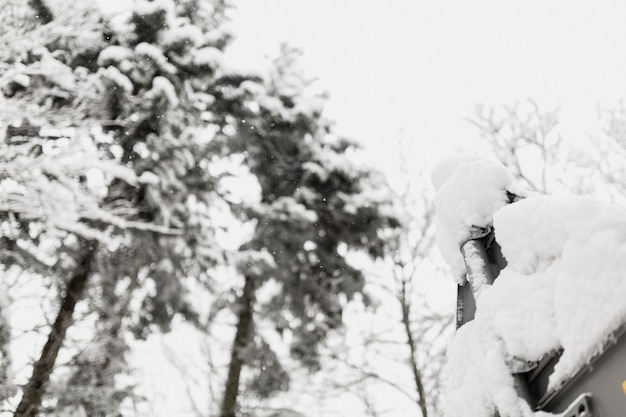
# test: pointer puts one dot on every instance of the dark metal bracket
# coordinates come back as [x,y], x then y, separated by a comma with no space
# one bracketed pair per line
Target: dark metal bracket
[581,407]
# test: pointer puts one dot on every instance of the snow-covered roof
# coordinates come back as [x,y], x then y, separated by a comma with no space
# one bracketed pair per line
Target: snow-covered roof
[563,287]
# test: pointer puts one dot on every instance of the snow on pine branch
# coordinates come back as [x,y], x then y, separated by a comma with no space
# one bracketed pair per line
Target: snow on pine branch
[563,287]
[62,188]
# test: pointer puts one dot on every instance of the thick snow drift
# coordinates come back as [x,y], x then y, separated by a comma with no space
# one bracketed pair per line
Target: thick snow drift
[564,285]
[469,190]
[577,247]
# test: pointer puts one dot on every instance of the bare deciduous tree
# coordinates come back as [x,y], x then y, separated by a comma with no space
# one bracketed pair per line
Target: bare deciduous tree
[528,140]
[524,138]
[406,332]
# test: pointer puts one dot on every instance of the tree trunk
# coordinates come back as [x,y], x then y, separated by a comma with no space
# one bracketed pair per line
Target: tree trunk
[417,375]
[242,337]
[33,392]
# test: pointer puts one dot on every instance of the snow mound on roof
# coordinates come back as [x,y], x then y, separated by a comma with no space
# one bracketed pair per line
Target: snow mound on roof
[535,230]
[469,189]
[478,380]
[563,288]
[579,246]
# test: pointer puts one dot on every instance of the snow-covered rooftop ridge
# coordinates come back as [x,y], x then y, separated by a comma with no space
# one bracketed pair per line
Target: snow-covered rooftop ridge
[563,286]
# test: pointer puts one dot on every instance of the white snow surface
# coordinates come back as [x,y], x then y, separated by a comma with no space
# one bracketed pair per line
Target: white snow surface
[162,87]
[469,189]
[564,285]
[574,248]
[184,35]
[145,7]
[118,79]
[148,51]
[254,263]
[114,54]
[208,57]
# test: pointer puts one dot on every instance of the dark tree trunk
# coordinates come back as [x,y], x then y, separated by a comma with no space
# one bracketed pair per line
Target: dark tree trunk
[33,392]
[42,10]
[417,375]
[242,337]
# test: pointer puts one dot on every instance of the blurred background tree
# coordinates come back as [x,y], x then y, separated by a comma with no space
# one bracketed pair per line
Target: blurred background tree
[529,141]
[314,206]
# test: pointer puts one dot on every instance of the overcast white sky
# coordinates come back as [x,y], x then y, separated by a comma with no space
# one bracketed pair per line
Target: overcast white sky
[417,67]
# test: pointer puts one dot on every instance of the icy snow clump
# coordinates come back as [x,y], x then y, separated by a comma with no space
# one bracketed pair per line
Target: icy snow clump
[469,189]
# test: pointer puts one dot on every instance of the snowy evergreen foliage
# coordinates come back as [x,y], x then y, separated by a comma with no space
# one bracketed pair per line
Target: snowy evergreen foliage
[115,151]
[315,206]
[109,135]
